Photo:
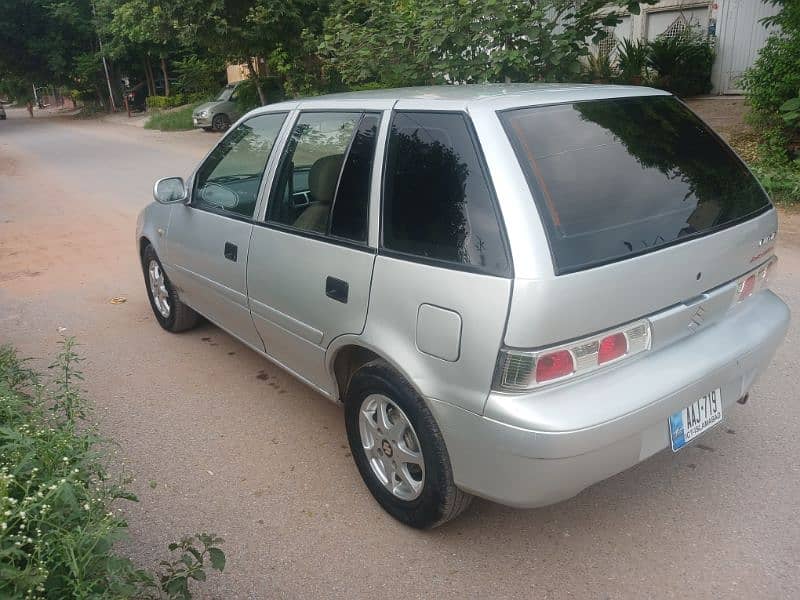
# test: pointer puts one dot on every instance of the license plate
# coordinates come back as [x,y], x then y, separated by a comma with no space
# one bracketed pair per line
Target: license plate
[700,415]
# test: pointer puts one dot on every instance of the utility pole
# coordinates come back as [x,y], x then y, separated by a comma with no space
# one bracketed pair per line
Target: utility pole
[105,64]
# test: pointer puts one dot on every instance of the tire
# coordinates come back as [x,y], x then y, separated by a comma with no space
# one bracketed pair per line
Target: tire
[220,122]
[438,500]
[178,316]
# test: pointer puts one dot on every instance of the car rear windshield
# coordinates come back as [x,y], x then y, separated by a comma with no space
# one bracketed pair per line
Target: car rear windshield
[619,177]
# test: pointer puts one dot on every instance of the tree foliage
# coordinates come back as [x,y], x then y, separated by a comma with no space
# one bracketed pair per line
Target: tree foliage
[306,46]
[46,42]
[402,42]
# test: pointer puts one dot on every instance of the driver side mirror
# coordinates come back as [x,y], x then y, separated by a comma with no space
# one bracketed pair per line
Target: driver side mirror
[170,190]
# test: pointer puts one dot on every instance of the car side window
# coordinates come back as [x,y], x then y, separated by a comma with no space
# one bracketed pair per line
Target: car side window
[229,179]
[308,178]
[351,205]
[437,203]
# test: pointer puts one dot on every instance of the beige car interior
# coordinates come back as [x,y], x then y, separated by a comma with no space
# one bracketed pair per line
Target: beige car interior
[322,186]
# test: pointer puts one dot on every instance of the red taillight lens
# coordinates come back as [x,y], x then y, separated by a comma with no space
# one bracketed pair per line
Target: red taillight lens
[611,347]
[554,365]
[747,287]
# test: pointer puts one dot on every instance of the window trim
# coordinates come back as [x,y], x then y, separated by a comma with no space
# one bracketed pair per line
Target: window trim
[536,192]
[256,209]
[275,176]
[320,237]
[438,262]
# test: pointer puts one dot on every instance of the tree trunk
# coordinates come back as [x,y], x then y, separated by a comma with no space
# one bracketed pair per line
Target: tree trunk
[148,76]
[262,97]
[166,79]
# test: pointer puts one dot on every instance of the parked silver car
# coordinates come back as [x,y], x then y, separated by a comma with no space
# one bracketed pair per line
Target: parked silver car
[515,291]
[220,112]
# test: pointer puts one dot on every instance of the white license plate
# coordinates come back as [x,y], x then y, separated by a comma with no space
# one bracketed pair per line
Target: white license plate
[699,416]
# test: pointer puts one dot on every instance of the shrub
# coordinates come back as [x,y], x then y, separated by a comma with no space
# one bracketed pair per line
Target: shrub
[600,69]
[682,64]
[57,519]
[179,119]
[632,60]
[772,86]
[790,112]
[775,76]
[164,102]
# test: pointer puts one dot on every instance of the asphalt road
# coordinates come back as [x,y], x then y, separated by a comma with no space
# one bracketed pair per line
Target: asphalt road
[220,440]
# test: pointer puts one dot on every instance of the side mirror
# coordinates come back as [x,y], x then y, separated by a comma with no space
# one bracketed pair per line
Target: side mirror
[170,190]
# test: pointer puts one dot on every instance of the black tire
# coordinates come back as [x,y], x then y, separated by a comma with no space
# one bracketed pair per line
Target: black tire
[181,317]
[220,122]
[440,500]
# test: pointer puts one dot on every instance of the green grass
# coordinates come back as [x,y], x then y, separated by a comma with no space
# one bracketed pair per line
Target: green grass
[176,119]
[777,172]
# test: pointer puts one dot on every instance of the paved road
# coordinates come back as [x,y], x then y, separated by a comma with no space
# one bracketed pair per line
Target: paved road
[234,446]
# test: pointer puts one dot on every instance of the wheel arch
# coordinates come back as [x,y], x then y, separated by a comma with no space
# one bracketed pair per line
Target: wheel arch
[144,241]
[348,353]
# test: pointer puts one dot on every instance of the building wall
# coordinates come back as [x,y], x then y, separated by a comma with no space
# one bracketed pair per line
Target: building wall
[734,24]
[239,72]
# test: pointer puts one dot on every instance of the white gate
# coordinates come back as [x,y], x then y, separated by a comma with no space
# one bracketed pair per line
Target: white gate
[740,36]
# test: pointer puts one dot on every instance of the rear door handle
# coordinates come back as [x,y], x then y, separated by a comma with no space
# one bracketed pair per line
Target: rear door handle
[336,289]
[231,251]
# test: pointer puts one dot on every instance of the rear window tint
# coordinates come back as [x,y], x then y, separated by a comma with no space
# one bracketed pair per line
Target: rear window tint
[437,203]
[620,177]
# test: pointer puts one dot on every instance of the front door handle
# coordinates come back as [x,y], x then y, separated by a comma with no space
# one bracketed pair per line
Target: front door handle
[231,251]
[336,289]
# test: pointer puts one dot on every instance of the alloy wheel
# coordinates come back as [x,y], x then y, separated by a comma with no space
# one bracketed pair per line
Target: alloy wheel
[391,447]
[158,289]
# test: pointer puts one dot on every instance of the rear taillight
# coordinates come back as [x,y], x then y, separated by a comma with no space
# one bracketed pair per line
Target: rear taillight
[521,370]
[554,365]
[755,281]
[612,347]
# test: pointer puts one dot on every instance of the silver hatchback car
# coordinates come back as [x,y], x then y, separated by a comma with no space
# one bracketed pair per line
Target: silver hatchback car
[515,291]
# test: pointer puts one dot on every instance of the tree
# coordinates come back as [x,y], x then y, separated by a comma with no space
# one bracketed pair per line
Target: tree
[45,41]
[243,30]
[146,25]
[406,42]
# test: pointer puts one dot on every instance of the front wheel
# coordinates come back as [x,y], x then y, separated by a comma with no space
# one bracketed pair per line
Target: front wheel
[399,450]
[172,314]
[220,122]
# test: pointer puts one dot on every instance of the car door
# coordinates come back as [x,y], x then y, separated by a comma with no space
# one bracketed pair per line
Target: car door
[208,239]
[310,265]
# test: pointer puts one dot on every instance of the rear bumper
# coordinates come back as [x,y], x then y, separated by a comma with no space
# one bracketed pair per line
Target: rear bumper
[539,448]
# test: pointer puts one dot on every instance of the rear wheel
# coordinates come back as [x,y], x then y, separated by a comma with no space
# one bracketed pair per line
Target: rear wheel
[220,122]
[172,314]
[399,450]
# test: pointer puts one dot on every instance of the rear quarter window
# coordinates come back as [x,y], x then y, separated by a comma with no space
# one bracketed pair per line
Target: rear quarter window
[620,177]
[437,203]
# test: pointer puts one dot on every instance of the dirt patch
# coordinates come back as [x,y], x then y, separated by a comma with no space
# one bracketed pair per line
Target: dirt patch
[46,246]
[725,114]
[8,164]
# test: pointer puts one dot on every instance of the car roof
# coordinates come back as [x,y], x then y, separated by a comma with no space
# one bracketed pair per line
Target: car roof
[493,95]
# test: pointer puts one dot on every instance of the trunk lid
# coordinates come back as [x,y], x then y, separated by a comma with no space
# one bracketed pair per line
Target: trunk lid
[645,209]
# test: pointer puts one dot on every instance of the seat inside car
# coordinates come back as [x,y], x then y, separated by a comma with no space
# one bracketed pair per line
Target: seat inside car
[322,180]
